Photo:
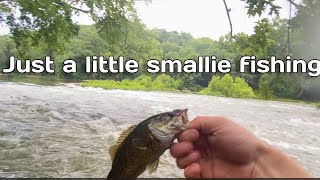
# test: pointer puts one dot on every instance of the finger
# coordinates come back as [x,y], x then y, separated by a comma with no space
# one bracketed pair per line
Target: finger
[188,159]
[190,135]
[208,124]
[178,150]
[193,171]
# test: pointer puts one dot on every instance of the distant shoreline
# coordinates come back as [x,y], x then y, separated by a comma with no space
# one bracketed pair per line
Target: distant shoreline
[53,81]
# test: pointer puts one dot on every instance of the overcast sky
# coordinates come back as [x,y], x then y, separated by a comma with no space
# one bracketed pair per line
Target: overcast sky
[201,18]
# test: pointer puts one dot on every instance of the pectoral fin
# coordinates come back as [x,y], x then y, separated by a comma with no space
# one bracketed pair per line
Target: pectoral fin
[153,166]
[113,149]
[140,144]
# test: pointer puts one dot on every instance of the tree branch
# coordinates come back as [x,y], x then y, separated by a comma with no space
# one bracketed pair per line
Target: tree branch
[289,29]
[293,3]
[228,13]
[75,8]
[81,10]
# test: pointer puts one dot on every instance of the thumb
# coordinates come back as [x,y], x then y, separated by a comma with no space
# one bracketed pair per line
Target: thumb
[209,124]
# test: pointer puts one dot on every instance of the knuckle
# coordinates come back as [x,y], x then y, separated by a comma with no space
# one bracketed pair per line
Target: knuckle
[180,164]
[174,150]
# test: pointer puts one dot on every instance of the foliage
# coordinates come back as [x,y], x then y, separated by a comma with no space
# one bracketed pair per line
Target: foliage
[164,81]
[228,86]
[51,21]
[132,39]
[207,91]
[144,80]
[306,23]
[258,7]
[223,85]
[161,82]
[265,88]
[241,89]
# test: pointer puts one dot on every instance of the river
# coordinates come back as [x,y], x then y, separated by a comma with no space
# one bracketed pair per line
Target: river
[66,130]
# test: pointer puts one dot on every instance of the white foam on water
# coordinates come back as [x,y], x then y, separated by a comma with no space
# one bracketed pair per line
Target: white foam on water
[66,131]
[299,122]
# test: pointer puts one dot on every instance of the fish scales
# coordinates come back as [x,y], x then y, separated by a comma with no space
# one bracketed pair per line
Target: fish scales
[140,146]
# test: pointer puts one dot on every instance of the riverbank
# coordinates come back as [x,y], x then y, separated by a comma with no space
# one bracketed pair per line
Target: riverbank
[45,80]
[136,85]
[142,84]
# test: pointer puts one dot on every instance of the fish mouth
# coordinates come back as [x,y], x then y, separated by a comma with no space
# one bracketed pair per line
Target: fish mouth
[183,117]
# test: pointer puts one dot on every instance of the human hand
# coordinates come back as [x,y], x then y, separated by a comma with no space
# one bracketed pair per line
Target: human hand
[216,147]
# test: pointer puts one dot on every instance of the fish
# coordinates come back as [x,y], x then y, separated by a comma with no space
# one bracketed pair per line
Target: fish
[140,146]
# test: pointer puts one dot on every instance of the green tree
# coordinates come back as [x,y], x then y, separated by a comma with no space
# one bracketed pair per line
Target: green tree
[51,21]
[215,83]
[265,87]
[164,81]
[241,89]
[144,80]
[258,7]
[228,86]
[7,49]
[225,85]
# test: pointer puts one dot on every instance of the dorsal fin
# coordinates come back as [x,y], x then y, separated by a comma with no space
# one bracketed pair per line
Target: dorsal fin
[153,166]
[113,149]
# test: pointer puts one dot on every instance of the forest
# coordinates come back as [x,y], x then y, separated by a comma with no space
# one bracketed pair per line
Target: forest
[35,34]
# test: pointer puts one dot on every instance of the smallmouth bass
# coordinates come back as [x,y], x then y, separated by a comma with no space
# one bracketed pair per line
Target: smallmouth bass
[140,146]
